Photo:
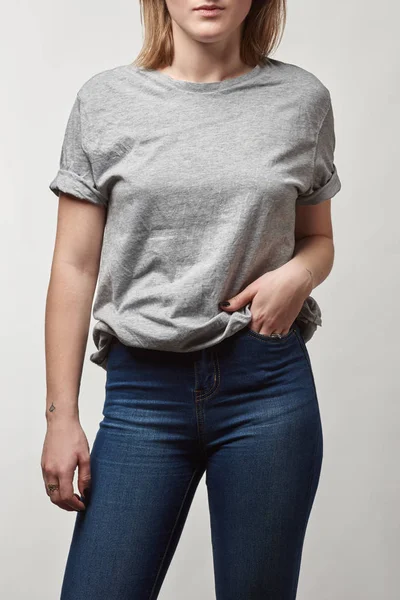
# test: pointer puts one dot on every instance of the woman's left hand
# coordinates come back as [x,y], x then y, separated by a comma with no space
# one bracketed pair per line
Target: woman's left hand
[276,298]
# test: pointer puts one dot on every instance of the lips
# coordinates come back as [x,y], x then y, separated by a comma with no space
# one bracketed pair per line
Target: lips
[208,7]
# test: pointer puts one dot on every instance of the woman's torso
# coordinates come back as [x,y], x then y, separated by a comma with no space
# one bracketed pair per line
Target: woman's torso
[202,181]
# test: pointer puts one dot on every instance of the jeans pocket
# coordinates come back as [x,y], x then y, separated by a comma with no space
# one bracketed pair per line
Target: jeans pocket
[273,338]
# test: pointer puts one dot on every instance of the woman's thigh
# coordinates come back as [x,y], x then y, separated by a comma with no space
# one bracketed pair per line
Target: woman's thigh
[265,454]
[145,468]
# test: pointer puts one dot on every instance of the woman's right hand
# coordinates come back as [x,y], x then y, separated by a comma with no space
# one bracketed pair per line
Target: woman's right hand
[65,448]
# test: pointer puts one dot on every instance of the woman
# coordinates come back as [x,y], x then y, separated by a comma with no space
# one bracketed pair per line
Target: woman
[201,175]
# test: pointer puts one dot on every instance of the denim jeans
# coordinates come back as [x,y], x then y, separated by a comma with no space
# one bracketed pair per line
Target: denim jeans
[244,412]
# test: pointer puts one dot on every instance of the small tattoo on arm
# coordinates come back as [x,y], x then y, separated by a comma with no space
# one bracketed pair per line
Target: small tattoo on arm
[311,277]
[52,407]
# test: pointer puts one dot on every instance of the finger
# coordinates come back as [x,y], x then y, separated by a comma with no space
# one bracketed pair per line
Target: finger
[52,488]
[65,507]
[67,495]
[51,484]
[275,333]
[84,475]
[54,494]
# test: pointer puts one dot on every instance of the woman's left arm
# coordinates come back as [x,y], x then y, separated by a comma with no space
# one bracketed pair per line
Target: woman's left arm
[314,249]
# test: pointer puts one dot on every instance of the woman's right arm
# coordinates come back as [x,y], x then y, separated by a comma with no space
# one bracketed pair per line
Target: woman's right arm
[73,278]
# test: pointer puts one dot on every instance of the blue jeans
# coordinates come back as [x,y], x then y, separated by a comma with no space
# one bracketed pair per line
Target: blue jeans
[245,412]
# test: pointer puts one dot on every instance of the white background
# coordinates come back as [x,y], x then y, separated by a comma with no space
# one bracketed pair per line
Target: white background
[351,551]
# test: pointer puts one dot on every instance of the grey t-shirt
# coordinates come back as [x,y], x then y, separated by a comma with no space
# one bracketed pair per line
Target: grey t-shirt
[201,182]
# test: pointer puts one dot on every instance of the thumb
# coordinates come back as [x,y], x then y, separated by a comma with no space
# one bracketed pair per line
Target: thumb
[238,301]
[84,475]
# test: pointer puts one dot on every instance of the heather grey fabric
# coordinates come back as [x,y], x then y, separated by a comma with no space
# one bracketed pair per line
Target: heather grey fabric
[201,182]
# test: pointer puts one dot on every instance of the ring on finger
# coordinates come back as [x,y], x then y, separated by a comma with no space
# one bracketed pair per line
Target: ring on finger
[52,487]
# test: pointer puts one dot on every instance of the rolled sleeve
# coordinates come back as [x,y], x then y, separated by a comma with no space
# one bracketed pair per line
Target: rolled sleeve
[325,181]
[75,174]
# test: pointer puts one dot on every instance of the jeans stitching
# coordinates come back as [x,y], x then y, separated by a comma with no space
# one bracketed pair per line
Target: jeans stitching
[216,382]
[304,350]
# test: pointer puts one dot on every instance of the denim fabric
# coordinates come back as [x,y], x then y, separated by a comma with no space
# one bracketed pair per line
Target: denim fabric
[245,412]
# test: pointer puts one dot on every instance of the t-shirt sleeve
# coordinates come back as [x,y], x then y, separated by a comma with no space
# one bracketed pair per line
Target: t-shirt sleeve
[75,174]
[325,181]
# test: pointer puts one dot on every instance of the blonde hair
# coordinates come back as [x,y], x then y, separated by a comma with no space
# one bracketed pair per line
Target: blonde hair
[262,32]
